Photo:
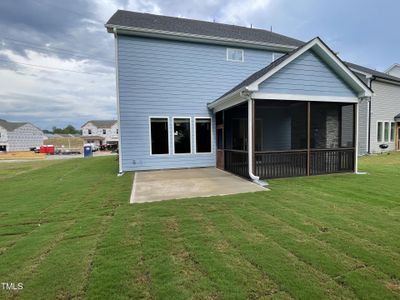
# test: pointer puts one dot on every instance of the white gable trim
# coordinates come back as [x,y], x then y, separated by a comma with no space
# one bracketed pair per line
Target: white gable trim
[327,55]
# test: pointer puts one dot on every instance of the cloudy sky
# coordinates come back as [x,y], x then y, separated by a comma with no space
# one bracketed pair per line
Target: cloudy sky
[56,59]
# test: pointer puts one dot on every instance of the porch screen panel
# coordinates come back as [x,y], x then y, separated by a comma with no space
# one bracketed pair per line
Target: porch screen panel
[281,138]
[347,126]
[235,140]
[280,125]
[331,138]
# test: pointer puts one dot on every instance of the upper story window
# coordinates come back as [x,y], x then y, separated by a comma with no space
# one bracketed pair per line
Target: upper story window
[234,54]
[104,131]
[89,131]
[117,130]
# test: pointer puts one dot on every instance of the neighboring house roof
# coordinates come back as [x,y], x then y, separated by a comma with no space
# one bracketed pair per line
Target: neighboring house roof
[10,126]
[101,123]
[397,117]
[394,66]
[251,82]
[144,22]
[372,72]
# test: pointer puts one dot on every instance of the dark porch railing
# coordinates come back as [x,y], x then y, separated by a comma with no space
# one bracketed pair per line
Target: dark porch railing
[325,161]
[236,161]
[277,164]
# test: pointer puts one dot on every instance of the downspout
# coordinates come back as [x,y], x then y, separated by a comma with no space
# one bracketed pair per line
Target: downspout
[250,150]
[370,79]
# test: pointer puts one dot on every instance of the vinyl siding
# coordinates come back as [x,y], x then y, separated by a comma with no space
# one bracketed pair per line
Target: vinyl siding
[172,79]
[395,71]
[385,105]
[306,75]
[363,128]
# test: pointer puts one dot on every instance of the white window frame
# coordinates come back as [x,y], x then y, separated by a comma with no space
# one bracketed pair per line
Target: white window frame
[392,138]
[173,135]
[384,135]
[227,56]
[377,132]
[211,136]
[383,132]
[168,134]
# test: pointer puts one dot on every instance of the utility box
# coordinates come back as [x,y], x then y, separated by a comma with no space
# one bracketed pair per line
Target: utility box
[87,150]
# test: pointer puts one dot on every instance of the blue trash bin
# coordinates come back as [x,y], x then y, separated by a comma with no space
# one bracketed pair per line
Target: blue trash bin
[87,151]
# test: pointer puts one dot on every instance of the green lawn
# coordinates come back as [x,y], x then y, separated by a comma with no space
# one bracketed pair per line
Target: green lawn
[68,231]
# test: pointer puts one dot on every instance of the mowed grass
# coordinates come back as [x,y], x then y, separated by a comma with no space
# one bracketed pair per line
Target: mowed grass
[67,231]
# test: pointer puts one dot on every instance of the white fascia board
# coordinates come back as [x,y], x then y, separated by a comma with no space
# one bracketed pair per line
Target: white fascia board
[224,99]
[137,31]
[322,50]
[232,101]
[295,97]
[387,81]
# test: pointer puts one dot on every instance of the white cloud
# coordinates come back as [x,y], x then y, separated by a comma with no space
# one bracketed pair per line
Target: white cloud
[57,94]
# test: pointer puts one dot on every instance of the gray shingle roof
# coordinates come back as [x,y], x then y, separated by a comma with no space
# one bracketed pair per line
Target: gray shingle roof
[197,27]
[372,72]
[10,126]
[101,123]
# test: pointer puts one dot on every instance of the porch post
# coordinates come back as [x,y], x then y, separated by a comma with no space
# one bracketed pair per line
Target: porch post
[250,136]
[356,109]
[308,137]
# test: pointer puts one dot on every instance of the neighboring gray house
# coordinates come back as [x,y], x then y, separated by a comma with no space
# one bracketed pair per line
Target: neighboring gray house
[380,117]
[100,132]
[19,136]
[252,102]
[394,70]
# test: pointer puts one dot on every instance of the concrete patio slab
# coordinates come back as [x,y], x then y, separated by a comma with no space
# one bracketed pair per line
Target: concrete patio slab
[152,186]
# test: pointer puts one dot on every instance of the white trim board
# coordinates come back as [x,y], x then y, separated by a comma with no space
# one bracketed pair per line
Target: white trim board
[295,97]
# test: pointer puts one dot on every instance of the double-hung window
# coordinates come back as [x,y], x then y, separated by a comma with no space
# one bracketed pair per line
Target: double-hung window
[392,131]
[159,136]
[182,132]
[203,135]
[385,132]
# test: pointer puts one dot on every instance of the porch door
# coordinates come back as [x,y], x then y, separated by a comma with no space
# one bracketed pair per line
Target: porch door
[220,147]
[398,137]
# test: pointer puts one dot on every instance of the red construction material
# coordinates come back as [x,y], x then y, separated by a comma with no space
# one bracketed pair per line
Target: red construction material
[47,149]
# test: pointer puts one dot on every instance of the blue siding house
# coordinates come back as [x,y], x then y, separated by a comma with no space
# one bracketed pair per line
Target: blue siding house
[198,94]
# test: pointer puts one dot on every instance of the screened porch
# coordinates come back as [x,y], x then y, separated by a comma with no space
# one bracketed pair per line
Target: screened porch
[290,138]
